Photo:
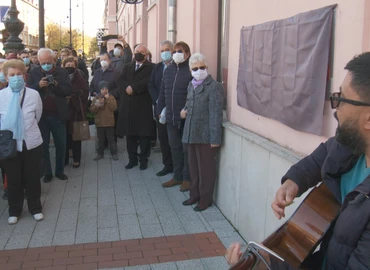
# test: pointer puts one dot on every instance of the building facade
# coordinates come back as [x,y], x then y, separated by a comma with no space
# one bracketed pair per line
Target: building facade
[29,14]
[256,150]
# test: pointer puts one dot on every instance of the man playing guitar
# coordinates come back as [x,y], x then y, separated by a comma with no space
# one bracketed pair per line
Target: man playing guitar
[343,164]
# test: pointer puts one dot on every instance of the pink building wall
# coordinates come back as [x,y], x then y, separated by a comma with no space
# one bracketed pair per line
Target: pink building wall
[197,25]
[349,30]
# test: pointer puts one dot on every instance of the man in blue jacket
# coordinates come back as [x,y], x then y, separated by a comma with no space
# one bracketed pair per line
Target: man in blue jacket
[154,89]
[342,163]
[173,93]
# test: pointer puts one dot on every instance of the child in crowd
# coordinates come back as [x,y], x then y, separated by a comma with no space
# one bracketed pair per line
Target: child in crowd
[103,106]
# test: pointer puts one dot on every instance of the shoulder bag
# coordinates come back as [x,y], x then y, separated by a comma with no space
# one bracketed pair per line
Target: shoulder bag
[81,129]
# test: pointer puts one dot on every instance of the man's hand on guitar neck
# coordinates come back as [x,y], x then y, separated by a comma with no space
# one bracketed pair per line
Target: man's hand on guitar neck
[284,197]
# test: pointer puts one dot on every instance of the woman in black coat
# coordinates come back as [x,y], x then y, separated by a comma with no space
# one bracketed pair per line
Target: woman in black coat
[77,105]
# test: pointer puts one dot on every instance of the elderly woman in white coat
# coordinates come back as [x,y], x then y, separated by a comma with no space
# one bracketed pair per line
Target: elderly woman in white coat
[202,131]
[20,111]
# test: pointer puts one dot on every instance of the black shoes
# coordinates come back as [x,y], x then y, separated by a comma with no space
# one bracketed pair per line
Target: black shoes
[62,176]
[200,208]
[143,166]
[165,171]
[131,164]
[190,201]
[48,178]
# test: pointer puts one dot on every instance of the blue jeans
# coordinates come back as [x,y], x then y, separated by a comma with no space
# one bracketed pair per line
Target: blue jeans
[57,127]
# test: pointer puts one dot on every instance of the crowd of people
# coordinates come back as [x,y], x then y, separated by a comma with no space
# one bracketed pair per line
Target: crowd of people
[45,92]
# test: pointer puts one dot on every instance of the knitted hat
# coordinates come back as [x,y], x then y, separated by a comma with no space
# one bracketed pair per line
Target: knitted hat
[103,84]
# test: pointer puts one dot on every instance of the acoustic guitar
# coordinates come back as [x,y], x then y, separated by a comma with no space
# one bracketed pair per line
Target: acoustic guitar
[299,237]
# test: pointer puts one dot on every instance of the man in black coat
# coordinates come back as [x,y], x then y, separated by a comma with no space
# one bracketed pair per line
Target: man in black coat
[154,89]
[135,119]
[342,164]
[54,86]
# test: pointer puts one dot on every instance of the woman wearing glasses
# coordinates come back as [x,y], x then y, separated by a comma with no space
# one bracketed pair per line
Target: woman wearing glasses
[202,131]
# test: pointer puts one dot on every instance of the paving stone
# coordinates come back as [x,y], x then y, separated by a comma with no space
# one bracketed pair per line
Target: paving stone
[87,230]
[215,263]
[18,240]
[151,230]
[106,197]
[88,208]
[164,266]
[213,216]
[194,226]
[43,234]
[129,227]
[139,267]
[107,216]
[148,218]
[67,220]
[190,265]
[108,234]
[64,238]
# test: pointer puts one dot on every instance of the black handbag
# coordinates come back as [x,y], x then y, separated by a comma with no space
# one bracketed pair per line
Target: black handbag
[8,145]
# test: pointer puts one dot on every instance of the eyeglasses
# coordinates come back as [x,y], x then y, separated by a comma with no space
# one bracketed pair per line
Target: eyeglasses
[335,100]
[177,51]
[201,68]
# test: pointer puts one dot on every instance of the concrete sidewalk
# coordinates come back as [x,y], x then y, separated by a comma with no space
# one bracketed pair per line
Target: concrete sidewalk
[103,202]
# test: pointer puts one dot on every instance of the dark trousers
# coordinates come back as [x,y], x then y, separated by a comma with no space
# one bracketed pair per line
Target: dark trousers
[106,133]
[23,173]
[165,146]
[145,147]
[57,128]
[179,154]
[202,168]
[75,146]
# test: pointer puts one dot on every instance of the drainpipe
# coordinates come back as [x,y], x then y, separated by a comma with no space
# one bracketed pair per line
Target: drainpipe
[172,21]
[219,41]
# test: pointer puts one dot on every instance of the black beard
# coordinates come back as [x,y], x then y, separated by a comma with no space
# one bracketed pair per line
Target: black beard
[348,135]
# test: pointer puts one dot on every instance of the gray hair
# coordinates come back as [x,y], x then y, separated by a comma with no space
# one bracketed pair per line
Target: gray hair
[197,58]
[166,42]
[45,51]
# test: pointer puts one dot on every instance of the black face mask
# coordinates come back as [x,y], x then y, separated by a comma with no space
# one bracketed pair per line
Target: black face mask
[71,70]
[139,57]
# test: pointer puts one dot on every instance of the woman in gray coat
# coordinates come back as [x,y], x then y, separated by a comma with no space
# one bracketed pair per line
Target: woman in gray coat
[202,131]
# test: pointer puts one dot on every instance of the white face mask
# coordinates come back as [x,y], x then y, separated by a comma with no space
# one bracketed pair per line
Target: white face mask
[178,58]
[199,75]
[104,63]
[117,51]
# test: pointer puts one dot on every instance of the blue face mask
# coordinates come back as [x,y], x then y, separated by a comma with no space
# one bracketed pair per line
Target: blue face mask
[2,77]
[47,67]
[166,56]
[16,83]
[26,61]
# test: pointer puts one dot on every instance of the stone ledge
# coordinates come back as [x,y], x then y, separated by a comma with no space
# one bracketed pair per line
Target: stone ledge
[270,146]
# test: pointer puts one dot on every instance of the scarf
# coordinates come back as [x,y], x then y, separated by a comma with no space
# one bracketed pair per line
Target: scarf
[13,120]
[196,83]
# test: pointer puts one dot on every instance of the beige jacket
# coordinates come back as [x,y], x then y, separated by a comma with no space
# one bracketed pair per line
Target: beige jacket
[104,116]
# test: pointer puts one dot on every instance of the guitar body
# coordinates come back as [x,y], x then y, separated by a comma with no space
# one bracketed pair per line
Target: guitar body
[297,238]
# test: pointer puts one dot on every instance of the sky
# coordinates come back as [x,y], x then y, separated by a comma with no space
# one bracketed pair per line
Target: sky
[58,10]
